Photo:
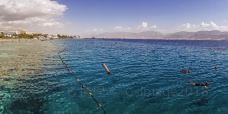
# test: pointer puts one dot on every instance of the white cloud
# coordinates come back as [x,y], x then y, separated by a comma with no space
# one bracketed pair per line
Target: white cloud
[122,29]
[30,14]
[204,26]
[97,30]
[144,26]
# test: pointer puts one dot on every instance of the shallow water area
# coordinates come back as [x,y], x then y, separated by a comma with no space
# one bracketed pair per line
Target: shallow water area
[20,60]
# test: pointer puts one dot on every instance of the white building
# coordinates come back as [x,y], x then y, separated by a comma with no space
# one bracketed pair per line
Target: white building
[52,36]
[9,34]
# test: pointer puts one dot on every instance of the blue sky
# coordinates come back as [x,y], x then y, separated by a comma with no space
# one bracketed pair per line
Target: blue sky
[165,14]
[97,16]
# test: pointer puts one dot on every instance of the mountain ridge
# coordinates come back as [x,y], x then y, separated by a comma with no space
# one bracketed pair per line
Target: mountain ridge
[198,35]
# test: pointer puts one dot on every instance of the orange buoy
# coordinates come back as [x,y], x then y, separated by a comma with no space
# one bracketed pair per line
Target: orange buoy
[106,68]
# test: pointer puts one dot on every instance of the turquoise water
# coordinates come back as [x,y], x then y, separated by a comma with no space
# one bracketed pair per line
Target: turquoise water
[145,79]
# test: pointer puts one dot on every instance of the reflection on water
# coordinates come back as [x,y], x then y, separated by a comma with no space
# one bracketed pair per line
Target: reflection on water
[145,77]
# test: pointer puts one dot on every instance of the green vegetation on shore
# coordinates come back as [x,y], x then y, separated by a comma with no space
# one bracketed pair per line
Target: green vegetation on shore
[34,36]
[1,35]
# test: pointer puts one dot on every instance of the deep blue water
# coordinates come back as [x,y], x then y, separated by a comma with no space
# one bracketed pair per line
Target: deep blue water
[145,79]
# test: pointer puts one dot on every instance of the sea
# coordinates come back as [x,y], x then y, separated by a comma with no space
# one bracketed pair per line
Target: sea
[145,78]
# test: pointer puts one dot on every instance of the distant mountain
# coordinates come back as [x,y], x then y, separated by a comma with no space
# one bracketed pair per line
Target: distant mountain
[200,35]
[146,35]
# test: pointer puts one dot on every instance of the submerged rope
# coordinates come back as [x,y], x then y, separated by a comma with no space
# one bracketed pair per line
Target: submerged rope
[83,86]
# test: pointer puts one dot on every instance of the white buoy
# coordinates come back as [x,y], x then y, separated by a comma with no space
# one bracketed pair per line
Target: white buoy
[106,69]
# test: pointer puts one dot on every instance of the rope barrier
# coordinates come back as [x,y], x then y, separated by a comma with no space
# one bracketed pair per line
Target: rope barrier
[83,86]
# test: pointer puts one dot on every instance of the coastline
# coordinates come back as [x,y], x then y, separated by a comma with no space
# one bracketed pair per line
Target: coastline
[16,40]
[10,40]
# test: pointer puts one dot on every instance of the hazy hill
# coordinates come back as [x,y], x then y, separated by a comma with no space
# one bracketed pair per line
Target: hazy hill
[200,35]
[207,35]
[146,35]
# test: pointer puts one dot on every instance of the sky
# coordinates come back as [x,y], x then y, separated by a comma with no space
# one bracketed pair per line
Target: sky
[99,16]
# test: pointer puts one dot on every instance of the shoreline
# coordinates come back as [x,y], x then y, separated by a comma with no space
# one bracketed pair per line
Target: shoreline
[26,39]
[16,40]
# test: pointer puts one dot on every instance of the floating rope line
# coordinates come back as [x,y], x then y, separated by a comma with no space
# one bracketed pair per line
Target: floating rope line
[83,86]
